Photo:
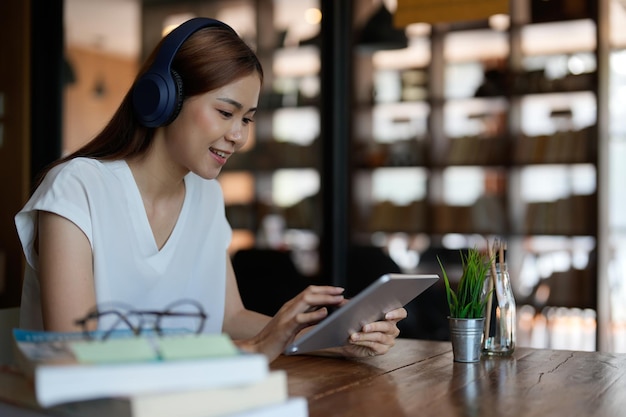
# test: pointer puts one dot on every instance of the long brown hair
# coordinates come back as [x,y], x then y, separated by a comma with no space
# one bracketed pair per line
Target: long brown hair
[209,59]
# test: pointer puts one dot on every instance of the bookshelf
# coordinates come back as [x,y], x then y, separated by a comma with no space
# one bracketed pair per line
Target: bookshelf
[507,140]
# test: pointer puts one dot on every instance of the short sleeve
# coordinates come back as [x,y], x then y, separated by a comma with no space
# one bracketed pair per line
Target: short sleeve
[63,192]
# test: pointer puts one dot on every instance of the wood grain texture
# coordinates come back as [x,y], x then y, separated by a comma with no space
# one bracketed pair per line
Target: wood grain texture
[419,378]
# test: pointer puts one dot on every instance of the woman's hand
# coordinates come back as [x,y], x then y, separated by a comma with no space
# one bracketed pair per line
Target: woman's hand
[375,338]
[302,311]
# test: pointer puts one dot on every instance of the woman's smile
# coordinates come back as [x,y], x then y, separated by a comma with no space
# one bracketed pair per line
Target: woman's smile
[219,156]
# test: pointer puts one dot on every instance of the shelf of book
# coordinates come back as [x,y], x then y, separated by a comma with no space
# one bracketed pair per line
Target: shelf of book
[505,106]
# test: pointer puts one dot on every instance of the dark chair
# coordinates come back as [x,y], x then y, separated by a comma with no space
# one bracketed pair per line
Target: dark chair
[425,318]
[267,278]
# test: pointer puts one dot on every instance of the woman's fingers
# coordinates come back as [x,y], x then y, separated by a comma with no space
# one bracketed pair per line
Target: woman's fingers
[378,337]
[315,315]
[310,305]
[307,308]
[384,327]
[396,315]
[322,295]
[314,297]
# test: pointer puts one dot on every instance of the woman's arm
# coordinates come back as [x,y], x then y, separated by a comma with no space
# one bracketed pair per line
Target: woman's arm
[239,322]
[65,272]
[256,332]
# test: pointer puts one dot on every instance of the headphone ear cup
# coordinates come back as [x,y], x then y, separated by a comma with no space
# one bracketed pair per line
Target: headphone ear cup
[179,96]
[153,98]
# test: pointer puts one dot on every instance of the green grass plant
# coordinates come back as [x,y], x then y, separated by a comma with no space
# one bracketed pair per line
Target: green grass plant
[469,299]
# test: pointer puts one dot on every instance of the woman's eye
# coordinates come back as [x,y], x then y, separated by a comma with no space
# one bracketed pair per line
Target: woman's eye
[247,120]
[225,113]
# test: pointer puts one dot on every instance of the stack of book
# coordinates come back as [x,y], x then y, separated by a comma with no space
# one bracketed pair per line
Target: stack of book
[147,376]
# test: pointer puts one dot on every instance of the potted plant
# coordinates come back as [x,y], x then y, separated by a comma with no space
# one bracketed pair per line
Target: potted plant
[467,305]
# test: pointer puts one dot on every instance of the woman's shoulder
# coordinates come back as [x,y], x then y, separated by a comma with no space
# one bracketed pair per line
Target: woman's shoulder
[83,169]
[84,164]
[79,176]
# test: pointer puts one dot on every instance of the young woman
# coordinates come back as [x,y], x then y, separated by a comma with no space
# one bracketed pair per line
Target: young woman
[137,217]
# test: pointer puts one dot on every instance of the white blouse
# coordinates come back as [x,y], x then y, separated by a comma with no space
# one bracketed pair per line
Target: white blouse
[103,200]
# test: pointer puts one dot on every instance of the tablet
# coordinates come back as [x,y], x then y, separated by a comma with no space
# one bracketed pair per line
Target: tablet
[387,293]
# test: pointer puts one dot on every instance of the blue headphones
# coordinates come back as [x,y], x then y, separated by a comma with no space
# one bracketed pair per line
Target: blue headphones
[158,94]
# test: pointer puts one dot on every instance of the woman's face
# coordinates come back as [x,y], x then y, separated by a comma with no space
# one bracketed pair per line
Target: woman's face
[212,126]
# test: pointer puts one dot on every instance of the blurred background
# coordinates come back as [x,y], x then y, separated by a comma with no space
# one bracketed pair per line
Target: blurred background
[443,134]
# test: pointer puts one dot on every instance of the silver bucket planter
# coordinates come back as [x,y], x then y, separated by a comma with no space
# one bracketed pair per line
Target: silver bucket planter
[466,337]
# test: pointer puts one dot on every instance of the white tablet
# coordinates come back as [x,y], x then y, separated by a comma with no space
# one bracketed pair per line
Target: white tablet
[387,293]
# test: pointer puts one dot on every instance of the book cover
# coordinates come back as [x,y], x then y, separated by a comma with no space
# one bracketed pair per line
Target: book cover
[293,407]
[15,389]
[64,367]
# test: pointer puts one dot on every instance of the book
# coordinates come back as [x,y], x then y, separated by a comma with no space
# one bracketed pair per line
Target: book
[63,367]
[293,407]
[212,402]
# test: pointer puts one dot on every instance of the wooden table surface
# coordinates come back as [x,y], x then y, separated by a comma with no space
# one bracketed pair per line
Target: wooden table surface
[420,378]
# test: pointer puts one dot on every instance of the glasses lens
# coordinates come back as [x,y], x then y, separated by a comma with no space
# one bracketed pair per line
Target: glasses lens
[108,323]
[186,316]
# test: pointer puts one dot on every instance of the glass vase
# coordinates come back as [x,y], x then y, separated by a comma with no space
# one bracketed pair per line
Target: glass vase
[500,321]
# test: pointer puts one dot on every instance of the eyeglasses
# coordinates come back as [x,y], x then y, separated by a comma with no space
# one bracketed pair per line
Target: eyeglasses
[115,318]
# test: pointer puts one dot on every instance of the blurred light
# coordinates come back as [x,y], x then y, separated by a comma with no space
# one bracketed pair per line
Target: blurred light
[618,62]
[273,227]
[620,92]
[453,241]
[290,186]
[391,5]
[299,125]
[241,239]
[167,29]
[561,261]
[313,16]
[171,22]
[528,275]
[542,294]
[580,259]
[415,30]
[544,266]
[238,187]
[401,186]
[575,65]
[310,86]
[463,185]
[499,22]
[301,239]
[400,252]
[539,335]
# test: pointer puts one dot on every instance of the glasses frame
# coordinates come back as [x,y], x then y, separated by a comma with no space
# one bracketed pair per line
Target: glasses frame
[124,317]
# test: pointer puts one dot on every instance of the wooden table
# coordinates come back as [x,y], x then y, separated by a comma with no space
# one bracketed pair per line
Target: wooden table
[420,378]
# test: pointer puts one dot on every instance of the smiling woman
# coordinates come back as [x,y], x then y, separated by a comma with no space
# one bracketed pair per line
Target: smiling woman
[136,216]
[146,152]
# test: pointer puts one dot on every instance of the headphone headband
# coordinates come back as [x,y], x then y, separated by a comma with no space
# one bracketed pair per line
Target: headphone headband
[157,95]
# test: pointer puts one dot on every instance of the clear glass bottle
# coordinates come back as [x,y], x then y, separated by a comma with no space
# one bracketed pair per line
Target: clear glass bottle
[500,321]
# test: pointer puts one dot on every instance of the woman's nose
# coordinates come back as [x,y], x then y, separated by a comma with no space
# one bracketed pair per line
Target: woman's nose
[235,134]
